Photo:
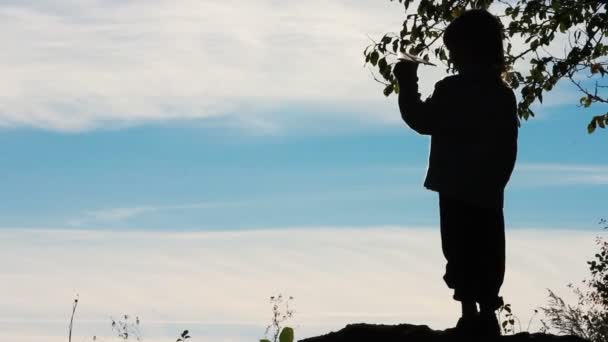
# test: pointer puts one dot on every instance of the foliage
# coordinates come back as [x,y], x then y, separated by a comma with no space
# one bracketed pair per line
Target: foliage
[125,328]
[507,319]
[281,312]
[564,318]
[589,317]
[576,28]
[183,337]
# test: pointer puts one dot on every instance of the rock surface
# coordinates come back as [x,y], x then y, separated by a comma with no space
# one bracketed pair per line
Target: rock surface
[422,333]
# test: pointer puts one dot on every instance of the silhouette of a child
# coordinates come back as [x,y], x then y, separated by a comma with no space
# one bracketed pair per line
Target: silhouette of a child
[472,120]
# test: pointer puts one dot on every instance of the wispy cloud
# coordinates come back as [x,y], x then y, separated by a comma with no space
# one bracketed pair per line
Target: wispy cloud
[525,175]
[119,214]
[125,213]
[560,174]
[79,65]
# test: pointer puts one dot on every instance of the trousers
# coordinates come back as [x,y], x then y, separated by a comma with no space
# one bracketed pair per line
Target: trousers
[473,243]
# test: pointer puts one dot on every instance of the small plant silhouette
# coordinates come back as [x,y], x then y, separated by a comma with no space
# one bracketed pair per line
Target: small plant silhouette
[505,315]
[281,312]
[183,337]
[124,328]
[588,317]
[71,326]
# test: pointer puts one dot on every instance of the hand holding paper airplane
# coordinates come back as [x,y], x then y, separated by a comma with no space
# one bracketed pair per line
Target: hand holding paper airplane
[404,56]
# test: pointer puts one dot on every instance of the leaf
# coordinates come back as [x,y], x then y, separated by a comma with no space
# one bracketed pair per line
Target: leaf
[403,32]
[515,13]
[442,55]
[286,335]
[382,64]
[534,44]
[264,340]
[374,58]
[591,127]
[587,102]
[388,89]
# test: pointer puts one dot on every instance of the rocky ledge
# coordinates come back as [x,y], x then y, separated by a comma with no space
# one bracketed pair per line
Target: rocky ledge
[422,333]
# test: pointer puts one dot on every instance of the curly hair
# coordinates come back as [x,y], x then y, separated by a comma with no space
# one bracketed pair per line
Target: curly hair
[476,37]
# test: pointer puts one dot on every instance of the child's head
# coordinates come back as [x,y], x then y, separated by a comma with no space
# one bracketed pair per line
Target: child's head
[474,39]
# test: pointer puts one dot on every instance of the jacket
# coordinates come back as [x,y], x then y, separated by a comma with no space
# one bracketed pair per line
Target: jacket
[473,124]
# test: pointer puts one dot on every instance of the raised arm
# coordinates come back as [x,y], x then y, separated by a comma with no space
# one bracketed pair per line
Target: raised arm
[421,116]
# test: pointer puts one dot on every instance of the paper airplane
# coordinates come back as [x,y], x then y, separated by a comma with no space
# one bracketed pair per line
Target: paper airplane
[404,56]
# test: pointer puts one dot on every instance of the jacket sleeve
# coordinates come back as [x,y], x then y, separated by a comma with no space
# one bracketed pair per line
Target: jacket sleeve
[421,116]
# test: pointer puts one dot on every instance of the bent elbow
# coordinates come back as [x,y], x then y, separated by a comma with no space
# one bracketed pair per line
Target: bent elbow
[415,125]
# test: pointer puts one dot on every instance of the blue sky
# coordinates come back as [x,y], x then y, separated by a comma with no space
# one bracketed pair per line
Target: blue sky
[189,175]
[185,160]
[126,115]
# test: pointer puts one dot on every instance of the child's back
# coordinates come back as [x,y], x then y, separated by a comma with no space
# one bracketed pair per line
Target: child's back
[474,145]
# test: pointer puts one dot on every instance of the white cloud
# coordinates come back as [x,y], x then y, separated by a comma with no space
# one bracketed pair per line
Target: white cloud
[217,283]
[119,214]
[559,174]
[97,217]
[125,213]
[80,65]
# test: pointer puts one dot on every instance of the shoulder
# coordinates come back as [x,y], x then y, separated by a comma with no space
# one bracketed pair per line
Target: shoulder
[448,85]
[449,81]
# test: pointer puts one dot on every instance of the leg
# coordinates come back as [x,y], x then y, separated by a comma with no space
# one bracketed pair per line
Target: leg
[473,244]
[492,270]
[469,308]
[458,248]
